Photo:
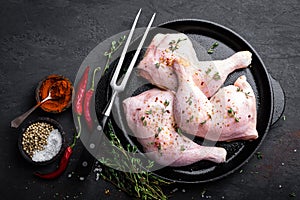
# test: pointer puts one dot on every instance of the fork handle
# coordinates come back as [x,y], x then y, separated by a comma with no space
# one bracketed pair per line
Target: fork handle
[103,121]
[86,157]
[107,110]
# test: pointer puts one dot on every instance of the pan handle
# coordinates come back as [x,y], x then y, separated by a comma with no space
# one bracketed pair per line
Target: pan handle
[278,99]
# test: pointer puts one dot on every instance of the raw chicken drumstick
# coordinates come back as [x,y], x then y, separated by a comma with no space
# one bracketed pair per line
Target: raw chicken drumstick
[159,58]
[229,115]
[192,109]
[150,117]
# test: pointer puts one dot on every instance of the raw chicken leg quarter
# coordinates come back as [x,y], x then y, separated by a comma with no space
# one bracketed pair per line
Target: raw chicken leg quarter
[157,64]
[229,115]
[150,117]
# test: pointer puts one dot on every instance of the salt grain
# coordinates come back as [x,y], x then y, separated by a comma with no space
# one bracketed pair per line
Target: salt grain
[54,142]
[174,190]
[97,176]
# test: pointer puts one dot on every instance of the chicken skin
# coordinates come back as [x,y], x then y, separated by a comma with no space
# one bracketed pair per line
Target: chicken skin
[150,117]
[157,64]
[192,109]
[229,115]
[234,113]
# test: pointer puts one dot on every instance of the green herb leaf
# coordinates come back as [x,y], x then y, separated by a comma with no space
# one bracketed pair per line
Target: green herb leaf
[182,148]
[190,119]
[179,131]
[166,103]
[215,45]
[172,42]
[157,65]
[148,112]
[113,45]
[203,122]
[210,51]
[216,76]
[208,71]
[247,94]
[284,117]
[212,48]
[159,129]
[259,155]
[292,194]
[189,101]
[145,123]
[231,113]
[159,147]
[174,45]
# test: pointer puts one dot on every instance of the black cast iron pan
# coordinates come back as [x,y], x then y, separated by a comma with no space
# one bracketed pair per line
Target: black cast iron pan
[269,96]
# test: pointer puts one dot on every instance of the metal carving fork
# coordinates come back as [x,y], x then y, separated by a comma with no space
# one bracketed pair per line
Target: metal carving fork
[86,160]
[119,88]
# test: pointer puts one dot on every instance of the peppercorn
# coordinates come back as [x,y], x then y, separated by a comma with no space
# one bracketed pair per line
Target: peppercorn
[35,137]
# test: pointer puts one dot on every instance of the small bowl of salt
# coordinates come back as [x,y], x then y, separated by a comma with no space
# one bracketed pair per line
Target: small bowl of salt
[41,141]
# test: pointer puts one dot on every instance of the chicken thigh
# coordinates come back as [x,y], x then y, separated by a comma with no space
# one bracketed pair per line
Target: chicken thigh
[150,117]
[234,113]
[156,66]
[229,115]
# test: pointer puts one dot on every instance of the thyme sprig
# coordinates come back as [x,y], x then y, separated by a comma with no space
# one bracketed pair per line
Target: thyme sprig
[115,45]
[138,182]
[174,45]
[123,170]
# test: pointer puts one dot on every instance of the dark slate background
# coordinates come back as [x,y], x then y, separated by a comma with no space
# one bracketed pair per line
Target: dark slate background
[38,38]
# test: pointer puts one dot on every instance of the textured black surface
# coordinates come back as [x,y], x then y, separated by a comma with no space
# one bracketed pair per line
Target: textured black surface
[38,38]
